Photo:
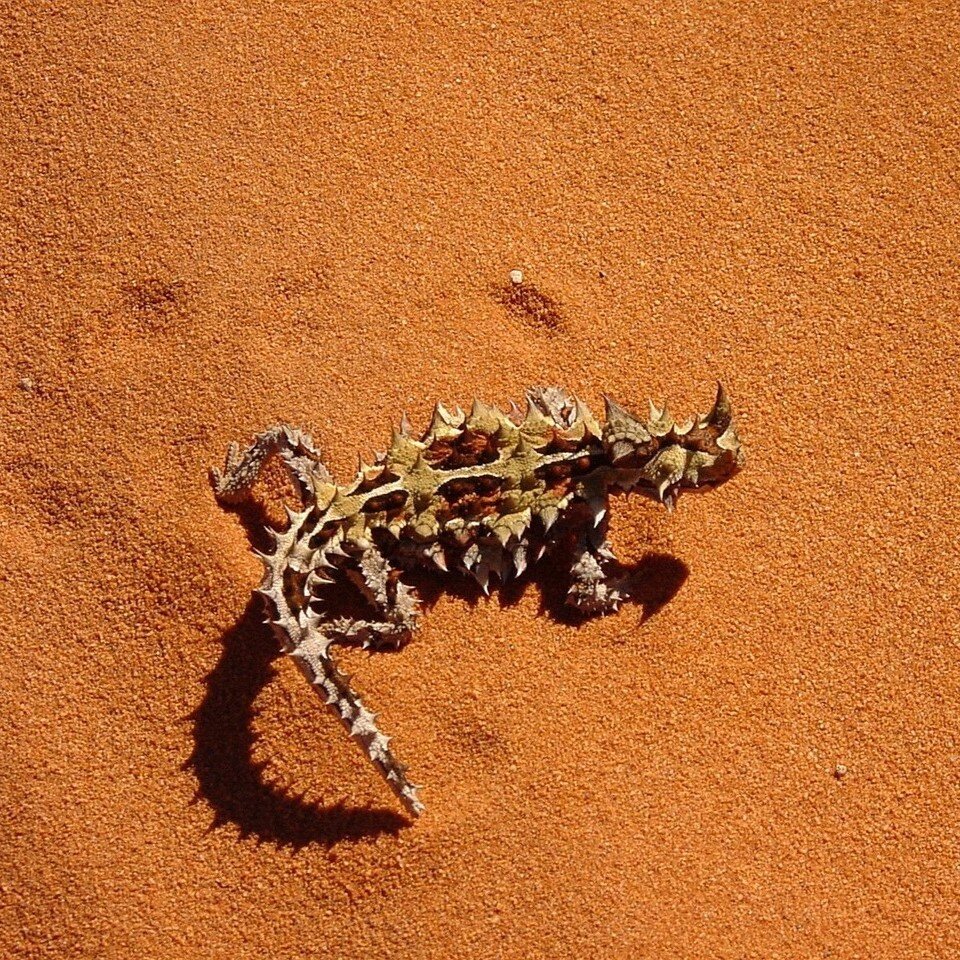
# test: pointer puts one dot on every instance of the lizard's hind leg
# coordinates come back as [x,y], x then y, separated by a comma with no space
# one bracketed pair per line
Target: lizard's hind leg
[395,618]
[294,447]
[394,603]
[592,590]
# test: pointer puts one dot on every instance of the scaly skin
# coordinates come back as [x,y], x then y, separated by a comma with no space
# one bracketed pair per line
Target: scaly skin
[487,494]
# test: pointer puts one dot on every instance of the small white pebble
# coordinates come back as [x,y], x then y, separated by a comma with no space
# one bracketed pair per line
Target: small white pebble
[840,771]
[516,276]
[27,385]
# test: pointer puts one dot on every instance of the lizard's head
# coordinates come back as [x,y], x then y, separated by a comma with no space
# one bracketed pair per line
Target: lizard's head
[661,457]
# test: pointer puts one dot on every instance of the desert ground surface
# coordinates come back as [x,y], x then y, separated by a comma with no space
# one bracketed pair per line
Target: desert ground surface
[218,216]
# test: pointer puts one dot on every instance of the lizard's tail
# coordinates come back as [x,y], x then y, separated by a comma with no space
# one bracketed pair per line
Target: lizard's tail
[307,640]
[312,656]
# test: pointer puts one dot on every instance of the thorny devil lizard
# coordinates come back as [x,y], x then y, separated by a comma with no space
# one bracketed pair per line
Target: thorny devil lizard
[486,493]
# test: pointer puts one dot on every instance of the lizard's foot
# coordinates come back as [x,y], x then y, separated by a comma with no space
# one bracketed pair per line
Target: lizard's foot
[590,591]
[598,599]
[368,634]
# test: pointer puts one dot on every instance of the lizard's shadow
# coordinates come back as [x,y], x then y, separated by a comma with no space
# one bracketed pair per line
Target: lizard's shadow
[653,582]
[231,781]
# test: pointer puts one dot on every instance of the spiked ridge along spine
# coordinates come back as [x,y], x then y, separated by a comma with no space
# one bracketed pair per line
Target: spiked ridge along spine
[486,495]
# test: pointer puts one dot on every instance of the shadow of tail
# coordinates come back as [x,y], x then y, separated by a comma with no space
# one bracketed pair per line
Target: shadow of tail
[228,777]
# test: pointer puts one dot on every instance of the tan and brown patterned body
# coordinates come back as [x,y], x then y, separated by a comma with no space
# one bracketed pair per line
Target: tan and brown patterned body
[485,493]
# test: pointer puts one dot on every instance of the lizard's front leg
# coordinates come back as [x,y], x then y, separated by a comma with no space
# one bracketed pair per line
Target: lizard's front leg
[394,602]
[591,589]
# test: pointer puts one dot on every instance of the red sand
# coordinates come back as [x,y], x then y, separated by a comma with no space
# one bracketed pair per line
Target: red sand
[218,216]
